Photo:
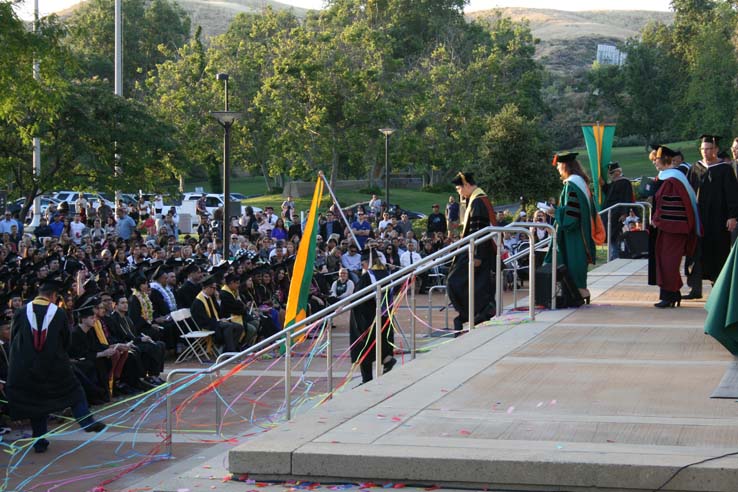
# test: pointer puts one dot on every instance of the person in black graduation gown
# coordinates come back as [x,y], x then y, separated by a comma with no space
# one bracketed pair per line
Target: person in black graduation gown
[164,302]
[207,316]
[361,322]
[478,214]
[717,202]
[150,352]
[40,376]
[231,306]
[618,190]
[189,289]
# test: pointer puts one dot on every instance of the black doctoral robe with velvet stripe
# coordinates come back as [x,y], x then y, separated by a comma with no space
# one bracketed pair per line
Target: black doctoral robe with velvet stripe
[43,382]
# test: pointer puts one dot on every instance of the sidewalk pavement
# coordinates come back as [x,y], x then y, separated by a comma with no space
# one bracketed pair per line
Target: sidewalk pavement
[610,396]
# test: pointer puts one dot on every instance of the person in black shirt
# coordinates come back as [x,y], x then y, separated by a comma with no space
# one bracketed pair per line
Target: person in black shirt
[436,221]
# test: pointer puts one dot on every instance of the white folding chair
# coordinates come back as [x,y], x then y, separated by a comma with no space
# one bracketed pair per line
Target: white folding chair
[198,341]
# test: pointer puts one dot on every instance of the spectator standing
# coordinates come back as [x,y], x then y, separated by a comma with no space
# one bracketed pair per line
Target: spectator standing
[57,227]
[375,206]
[452,212]
[125,226]
[7,223]
[437,221]
[77,229]
[362,229]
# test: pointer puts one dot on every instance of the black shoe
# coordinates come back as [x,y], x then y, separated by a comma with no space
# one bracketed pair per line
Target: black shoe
[458,323]
[693,295]
[122,389]
[663,303]
[41,445]
[389,365]
[95,427]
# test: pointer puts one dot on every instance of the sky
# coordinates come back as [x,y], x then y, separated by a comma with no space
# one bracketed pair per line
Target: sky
[48,6]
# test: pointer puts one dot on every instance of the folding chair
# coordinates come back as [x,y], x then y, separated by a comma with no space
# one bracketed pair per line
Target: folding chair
[197,340]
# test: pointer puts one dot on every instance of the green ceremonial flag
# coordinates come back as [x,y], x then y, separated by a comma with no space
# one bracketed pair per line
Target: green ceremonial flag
[598,137]
[721,322]
[302,272]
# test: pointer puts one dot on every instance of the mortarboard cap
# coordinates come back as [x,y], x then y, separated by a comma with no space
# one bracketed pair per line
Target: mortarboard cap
[190,267]
[665,152]
[87,306]
[564,157]
[209,280]
[54,284]
[612,167]
[463,177]
[713,139]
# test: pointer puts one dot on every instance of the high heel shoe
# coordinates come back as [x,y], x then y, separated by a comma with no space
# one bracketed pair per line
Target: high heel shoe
[585,295]
[676,300]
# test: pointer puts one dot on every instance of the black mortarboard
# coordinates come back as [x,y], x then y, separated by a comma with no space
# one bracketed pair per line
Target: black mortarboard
[654,146]
[613,166]
[564,157]
[87,306]
[90,287]
[190,267]
[162,270]
[135,278]
[713,139]
[665,152]
[51,258]
[72,266]
[219,269]
[461,178]
[232,277]
[54,284]
[210,279]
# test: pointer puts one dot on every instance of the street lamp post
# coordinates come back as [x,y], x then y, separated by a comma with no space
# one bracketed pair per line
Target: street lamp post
[386,132]
[226,119]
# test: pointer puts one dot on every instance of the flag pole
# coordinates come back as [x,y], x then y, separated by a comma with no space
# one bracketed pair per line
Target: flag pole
[340,210]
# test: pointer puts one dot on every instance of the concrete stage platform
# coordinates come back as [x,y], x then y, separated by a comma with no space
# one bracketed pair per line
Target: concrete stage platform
[612,396]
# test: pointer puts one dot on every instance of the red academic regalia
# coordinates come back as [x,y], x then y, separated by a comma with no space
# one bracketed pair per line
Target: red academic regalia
[676,233]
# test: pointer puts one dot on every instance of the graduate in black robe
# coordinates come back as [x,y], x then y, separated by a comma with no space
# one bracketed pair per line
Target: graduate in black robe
[478,214]
[40,376]
[149,352]
[717,202]
[618,190]
[362,325]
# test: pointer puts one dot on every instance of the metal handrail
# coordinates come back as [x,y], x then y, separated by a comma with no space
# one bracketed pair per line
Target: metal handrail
[554,257]
[301,327]
[642,205]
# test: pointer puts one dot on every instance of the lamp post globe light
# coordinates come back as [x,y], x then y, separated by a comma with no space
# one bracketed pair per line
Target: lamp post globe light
[226,119]
[386,132]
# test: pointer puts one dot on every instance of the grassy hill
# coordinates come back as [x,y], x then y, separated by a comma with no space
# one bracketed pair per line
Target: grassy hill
[568,40]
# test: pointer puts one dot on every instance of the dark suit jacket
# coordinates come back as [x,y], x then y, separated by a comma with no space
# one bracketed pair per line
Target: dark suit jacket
[337,229]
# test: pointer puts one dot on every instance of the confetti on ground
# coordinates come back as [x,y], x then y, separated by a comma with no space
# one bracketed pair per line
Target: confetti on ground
[510,410]
[381,416]
[464,432]
[396,419]
[540,404]
[553,402]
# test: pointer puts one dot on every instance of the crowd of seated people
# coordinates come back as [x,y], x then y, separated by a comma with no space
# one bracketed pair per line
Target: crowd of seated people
[136,268]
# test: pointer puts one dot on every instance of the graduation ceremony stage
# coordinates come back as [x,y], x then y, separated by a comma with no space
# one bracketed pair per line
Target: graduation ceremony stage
[613,396]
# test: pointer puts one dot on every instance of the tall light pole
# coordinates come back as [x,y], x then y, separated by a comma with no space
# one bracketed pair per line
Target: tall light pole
[386,132]
[36,139]
[226,119]
[118,87]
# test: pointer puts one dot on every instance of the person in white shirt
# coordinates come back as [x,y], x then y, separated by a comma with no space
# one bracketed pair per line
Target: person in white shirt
[386,220]
[409,257]
[77,229]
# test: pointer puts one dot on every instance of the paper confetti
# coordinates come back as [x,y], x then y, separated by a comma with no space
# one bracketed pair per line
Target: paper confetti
[540,404]
[510,410]
[464,432]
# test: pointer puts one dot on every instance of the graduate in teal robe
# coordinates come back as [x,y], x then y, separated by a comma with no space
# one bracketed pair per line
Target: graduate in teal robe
[572,218]
[721,322]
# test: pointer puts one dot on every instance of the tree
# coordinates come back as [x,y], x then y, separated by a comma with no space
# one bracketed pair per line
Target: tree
[514,156]
[153,32]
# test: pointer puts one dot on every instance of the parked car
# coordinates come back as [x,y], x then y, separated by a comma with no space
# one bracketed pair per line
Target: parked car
[212,202]
[17,205]
[71,197]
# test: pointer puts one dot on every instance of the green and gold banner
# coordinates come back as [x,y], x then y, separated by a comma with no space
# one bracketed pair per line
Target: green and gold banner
[598,137]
